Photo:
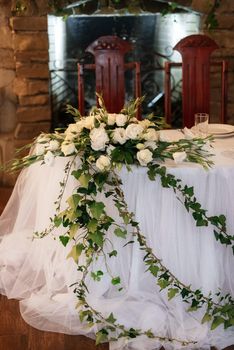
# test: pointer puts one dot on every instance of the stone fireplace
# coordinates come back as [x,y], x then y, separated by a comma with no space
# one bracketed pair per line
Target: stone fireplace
[24,84]
[25,96]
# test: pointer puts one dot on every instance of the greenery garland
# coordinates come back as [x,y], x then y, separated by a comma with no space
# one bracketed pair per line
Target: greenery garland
[104,142]
[65,8]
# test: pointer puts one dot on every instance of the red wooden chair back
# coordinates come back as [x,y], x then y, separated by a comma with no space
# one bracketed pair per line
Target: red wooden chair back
[109,67]
[196,51]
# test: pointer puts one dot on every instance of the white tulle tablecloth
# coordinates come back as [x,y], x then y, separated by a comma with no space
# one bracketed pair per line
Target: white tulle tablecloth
[38,273]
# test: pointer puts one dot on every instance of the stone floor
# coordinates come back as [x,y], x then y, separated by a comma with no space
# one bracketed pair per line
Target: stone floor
[15,334]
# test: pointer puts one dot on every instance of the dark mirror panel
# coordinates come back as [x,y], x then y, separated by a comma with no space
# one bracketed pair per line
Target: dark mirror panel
[153,38]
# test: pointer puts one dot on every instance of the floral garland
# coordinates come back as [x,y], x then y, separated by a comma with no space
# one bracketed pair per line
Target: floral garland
[104,142]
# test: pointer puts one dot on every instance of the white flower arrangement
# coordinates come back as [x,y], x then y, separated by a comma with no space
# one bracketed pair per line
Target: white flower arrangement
[104,142]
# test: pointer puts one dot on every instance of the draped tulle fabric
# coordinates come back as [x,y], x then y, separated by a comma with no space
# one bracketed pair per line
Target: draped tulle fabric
[39,274]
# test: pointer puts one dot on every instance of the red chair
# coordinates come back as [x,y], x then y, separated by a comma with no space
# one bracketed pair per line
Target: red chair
[196,51]
[109,68]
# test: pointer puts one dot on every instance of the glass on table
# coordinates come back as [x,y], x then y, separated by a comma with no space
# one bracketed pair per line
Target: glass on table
[201,124]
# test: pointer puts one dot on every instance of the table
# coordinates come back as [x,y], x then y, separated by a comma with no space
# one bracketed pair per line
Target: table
[39,274]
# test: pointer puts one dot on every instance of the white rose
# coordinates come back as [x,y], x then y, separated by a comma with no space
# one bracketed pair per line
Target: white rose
[134,131]
[73,130]
[144,157]
[121,119]
[145,123]
[111,118]
[150,144]
[103,163]
[49,158]
[39,149]
[163,136]
[68,148]
[179,157]
[150,135]
[88,122]
[119,136]
[53,145]
[99,138]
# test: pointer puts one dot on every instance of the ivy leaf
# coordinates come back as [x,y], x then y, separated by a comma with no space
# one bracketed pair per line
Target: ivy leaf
[115,280]
[97,275]
[77,173]
[101,336]
[120,233]
[73,230]
[172,293]
[84,180]
[222,220]
[206,318]
[113,253]
[189,191]
[126,219]
[163,283]
[74,200]
[57,221]
[92,225]
[64,240]
[185,292]
[76,252]
[218,320]
[97,238]
[97,209]
[111,318]
[154,270]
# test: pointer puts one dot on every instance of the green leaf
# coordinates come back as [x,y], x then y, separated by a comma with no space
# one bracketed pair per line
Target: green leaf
[97,238]
[111,318]
[126,218]
[185,292]
[77,173]
[113,253]
[76,252]
[97,209]
[101,336]
[57,221]
[84,180]
[73,230]
[206,318]
[189,191]
[120,233]
[222,220]
[172,293]
[163,283]
[92,225]
[115,280]
[97,275]
[154,270]
[74,200]
[64,240]
[218,320]
[128,158]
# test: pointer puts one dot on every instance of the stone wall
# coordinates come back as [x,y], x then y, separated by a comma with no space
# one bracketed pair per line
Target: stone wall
[224,37]
[24,84]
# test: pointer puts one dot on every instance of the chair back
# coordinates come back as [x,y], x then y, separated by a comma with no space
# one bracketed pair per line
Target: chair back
[195,51]
[109,66]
